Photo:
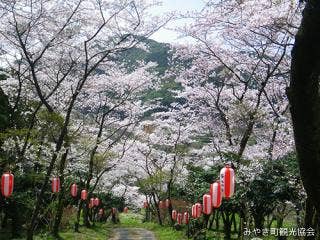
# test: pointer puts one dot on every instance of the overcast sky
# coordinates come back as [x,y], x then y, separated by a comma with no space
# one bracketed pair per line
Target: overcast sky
[169,36]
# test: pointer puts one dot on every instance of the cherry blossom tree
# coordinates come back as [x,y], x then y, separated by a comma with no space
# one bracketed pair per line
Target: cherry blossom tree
[234,79]
[159,154]
[56,48]
[115,109]
[240,66]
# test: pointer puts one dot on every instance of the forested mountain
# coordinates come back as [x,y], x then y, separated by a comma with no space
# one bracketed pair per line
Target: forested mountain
[154,52]
[161,54]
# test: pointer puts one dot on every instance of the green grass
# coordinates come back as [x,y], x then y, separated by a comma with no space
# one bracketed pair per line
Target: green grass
[97,232]
[131,220]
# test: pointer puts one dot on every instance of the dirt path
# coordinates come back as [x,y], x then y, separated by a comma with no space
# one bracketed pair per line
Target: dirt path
[131,234]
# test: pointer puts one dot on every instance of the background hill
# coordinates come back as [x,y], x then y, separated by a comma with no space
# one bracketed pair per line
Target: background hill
[160,53]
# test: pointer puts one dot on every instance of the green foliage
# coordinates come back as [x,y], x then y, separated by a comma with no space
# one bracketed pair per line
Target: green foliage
[109,201]
[100,160]
[4,111]
[198,182]
[50,124]
[153,182]
[277,183]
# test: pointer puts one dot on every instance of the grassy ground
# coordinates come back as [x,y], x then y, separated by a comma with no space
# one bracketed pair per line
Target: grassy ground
[97,232]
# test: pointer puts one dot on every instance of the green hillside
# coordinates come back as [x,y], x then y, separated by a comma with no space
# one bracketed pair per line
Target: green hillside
[160,53]
[156,52]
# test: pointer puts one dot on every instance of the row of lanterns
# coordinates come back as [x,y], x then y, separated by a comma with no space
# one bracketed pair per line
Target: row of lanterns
[55,185]
[223,188]
[179,217]
[212,200]
[113,210]
[7,183]
[162,204]
[93,202]
[218,190]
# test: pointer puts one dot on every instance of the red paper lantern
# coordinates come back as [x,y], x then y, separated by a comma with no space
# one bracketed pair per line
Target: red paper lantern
[168,203]
[125,210]
[196,210]
[145,204]
[91,204]
[101,212]
[186,217]
[193,211]
[7,182]
[84,195]
[207,204]
[174,215]
[96,202]
[74,190]
[55,184]
[161,204]
[114,210]
[216,195]
[227,181]
[179,218]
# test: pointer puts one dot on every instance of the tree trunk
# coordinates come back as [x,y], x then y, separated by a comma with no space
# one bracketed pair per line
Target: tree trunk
[279,225]
[157,208]
[4,222]
[146,219]
[113,217]
[218,220]
[205,221]
[270,222]
[40,197]
[169,197]
[90,169]
[212,219]
[77,223]
[234,222]
[258,221]
[59,144]
[310,215]
[243,219]
[226,224]
[170,183]
[170,213]
[86,221]
[4,112]
[241,228]
[304,99]
[298,217]
[15,216]
[61,199]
